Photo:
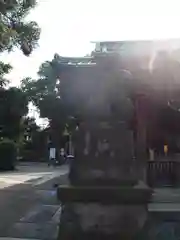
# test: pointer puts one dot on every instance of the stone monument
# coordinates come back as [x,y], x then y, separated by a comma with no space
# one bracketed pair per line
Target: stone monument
[104,199]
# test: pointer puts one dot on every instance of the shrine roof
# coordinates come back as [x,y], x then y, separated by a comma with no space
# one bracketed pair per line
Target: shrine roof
[127,50]
[74,58]
[148,41]
[142,45]
[87,60]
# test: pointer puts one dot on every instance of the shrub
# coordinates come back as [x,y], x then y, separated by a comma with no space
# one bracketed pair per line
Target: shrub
[8,154]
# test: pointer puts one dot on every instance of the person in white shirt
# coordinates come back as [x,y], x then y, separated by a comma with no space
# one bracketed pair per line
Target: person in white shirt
[52,154]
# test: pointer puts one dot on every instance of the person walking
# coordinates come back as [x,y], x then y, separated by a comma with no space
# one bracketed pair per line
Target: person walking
[52,155]
[62,155]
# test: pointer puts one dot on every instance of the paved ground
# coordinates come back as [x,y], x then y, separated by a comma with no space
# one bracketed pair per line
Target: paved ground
[30,173]
[165,200]
[29,208]
[28,203]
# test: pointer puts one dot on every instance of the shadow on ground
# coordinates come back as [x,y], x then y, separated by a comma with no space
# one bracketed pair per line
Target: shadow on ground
[21,200]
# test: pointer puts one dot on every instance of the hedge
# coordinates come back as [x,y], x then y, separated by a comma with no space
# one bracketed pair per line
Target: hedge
[8,154]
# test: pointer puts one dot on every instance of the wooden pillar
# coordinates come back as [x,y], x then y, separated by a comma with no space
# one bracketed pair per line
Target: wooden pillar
[141,109]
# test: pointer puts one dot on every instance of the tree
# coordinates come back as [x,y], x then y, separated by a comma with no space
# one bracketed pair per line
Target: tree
[4,69]
[33,145]
[14,30]
[29,128]
[44,94]
[49,94]
[13,105]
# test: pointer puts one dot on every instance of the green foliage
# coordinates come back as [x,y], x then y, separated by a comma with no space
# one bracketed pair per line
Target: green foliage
[13,105]
[34,147]
[30,128]
[4,69]
[46,87]
[29,124]
[14,30]
[49,95]
[45,94]
[7,154]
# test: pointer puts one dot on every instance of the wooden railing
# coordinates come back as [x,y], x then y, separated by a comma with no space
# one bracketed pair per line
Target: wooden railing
[163,173]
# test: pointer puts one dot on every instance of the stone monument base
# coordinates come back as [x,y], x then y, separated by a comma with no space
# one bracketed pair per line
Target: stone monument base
[102,212]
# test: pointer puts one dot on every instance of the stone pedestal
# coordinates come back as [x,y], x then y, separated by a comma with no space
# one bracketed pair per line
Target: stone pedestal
[105,199]
[81,220]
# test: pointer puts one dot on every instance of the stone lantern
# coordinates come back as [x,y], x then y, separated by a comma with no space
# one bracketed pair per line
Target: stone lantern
[105,198]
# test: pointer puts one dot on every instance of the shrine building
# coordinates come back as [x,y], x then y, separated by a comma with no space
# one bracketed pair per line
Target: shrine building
[154,70]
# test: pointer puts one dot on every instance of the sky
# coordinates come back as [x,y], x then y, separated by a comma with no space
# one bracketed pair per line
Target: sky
[68,27]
